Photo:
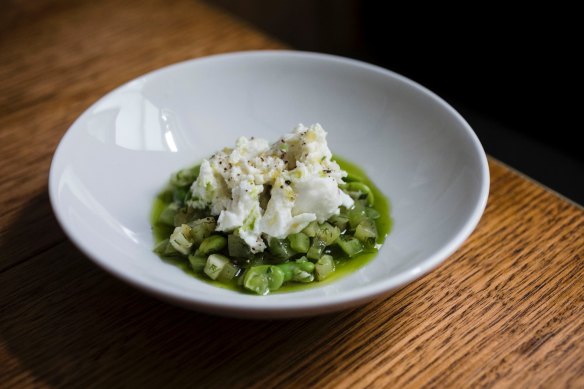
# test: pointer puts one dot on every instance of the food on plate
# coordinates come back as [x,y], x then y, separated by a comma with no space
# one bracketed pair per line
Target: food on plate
[264,217]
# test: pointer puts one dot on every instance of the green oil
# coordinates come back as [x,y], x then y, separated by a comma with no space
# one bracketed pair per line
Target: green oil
[343,266]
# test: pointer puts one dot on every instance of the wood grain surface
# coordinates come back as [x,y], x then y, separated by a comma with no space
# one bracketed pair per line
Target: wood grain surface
[506,310]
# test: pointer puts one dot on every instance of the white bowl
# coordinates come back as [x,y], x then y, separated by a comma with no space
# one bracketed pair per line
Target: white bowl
[119,153]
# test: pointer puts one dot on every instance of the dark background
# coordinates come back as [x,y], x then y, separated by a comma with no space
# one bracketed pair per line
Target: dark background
[510,73]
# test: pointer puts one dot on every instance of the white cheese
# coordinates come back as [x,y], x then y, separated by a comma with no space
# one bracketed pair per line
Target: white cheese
[295,174]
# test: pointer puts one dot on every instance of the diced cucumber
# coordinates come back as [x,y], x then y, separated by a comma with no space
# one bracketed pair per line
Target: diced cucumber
[165,249]
[262,279]
[311,229]
[280,248]
[197,263]
[167,215]
[160,247]
[359,191]
[211,244]
[353,177]
[201,229]
[181,239]
[327,233]
[166,196]
[324,267]
[215,264]
[186,215]
[255,260]
[229,271]
[372,213]
[366,232]
[356,214]
[350,246]
[237,247]
[185,177]
[179,194]
[170,251]
[339,221]
[299,242]
[316,249]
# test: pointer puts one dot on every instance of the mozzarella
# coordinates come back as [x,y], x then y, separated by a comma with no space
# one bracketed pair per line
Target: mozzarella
[295,173]
[278,220]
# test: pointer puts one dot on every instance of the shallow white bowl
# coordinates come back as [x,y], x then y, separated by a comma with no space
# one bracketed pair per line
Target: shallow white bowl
[120,152]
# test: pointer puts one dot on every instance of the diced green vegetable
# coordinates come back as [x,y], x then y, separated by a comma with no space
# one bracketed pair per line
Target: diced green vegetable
[197,263]
[339,221]
[189,215]
[372,213]
[356,214]
[181,239]
[237,247]
[211,244]
[201,229]
[229,271]
[311,229]
[227,258]
[167,215]
[179,194]
[350,246]
[280,248]
[353,177]
[186,215]
[359,191]
[305,264]
[162,248]
[299,271]
[170,251]
[254,259]
[215,264]
[366,232]
[316,249]
[327,233]
[262,279]
[299,242]
[185,177]
[181,216]
[324,267]
[166,196]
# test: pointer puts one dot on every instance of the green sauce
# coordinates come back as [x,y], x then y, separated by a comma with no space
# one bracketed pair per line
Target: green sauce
[343,267]
[160,232]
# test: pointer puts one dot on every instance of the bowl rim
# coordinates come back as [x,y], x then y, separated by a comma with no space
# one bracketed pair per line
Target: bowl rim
[263,306]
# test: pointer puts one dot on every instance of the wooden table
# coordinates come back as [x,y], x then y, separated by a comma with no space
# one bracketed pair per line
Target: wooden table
[507,309]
